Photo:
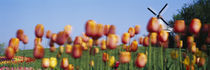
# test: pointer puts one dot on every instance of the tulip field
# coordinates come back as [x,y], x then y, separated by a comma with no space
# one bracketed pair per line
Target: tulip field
[114,52]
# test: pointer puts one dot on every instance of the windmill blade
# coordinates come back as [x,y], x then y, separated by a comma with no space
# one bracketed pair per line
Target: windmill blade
[152,11]
[162,9]
[164,21]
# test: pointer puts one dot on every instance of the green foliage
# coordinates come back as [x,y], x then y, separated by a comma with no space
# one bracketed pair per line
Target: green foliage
[2,48]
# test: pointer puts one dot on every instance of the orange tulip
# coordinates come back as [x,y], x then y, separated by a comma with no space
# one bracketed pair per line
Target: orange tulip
[61,38]
[134,46]
[163,36]
[84,46]
[103,45]
[141,39]
[190,40]
[70,67]
[48,34]
[54,37]
[85,38]
[106,29]
[90,43]
[111,42]
[105,57]
[20,34]
[67,29]
[190,67]
[195,26]
[112,29]
[39,30]
[125,57]
[137,29]
[64,63]
[77,51]
[153,38]
[146,41]
[14,43]
[193,47]
[153,25]
[78,40]
[141,60]
[179,26]
[52,48]
[90,28]
[45,62]
[38,52]
[202,61]
[125,38]
[9,52]
[131,30]
[100,30]
[68,48]
[37,41]
[25,40]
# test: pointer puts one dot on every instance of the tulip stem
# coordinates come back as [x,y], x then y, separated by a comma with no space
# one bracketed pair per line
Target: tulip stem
[161,56]
[180,58]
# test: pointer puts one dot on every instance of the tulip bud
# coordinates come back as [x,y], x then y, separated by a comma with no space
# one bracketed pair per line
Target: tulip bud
[137,29]
[48,34]
[134,46]
[106,29]
[85,38]
[45,62]
[61,38]
[70,67]
[84,46]
[90,28]
[54,37]
[53,62]
[64,63]
[153,38]
[38,52]
[146,41]
[195,26]
[9,52]
[67,29]
[153,25]
[61,49]
[163,36]
[141,60]
[77,51]
[92,63]
[179,26]
[111,41]
[14,43]
[103,45]
[125,57]
[111,61]
[141,40]
[20,34]
[105,57]
[25,40]
[100,30]
[68,48]
[125,38]
[112,29]
[131,30]
[96,50]
[39,30]
[52,48]
[78,40]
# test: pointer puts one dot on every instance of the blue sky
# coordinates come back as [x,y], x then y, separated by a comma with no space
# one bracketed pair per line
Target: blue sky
[55,14]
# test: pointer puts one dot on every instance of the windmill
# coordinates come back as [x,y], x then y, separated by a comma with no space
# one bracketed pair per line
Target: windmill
[166,26]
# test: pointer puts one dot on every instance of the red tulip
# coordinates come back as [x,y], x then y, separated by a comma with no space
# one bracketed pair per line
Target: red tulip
[163,36]
[9,52]
[14,43]
[125,38]
[111,42]
[38,52]
[141,40]
[141,60]
[78,40]
[131,30]
[20,34]
[54,37]
[137,29]
[77,51]
[146,41]
[195,26]
[153,38]
[39,30]
[153,25]
[112,29]
[90,28]
[48,34]
[45,62]
[106,29]
[134,46]
[179,26]
[25,40]
[67,29]
[125,57]
[68,49]
[64,63]
[100,30]
[61,38]
[105,57]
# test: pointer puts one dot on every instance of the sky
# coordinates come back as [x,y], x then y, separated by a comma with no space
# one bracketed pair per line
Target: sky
[55,14]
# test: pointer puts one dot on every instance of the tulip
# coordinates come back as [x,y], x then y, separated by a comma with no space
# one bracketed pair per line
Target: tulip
[77,51]
[78,40]
[131,30]
[125,38]
[160,28]
[14,43]
[70,67]
[117,37]
[146,41]
[116,64]
[106,29]
[153,25]
[97,42]
[125,57]
[111,42]
[190,67]
[52,48]
[51,43]
[112,29]
[180,44]
[137,29]
[92,63]
[205,27]
[179,26]
[105,57]
[177,38]
[53,62]
[85,38]
[69,40]
[174,54]
[37,41]
[68,48]
[190,40]
[195,26]
[84,46]
[163,36]
[90,43]
[54,37]
[90,28]
[153,38]
[38,52]
[39,30]
[64,63]
[9,52]
[45,62]
[25,40]
[100,30]
[186,61]
[96,50]
[68,29]
[103,45]
[48,34]
[141,60]
[58,55]
[61,49]
[193,47]
[20,34]
[111,61]
[141,39]
[202,62]
[61,38]
[134,46]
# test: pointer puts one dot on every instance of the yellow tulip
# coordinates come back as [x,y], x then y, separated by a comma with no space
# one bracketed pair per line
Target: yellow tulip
[111,61]
[61,48]
[53,62]
[91,63]
[186,61]
[174,54]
